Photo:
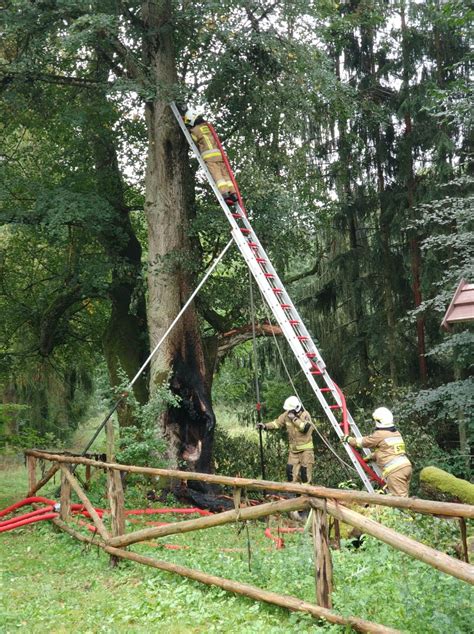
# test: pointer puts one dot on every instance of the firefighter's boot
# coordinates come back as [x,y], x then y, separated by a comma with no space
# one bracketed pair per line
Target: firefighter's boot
[230,199]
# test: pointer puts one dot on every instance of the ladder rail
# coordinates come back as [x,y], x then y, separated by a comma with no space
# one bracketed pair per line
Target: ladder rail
[298,350]
[282,307]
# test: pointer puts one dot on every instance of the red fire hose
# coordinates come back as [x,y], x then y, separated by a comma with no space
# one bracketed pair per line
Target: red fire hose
[39,515]
[25,502]
[48,512]
[79,511]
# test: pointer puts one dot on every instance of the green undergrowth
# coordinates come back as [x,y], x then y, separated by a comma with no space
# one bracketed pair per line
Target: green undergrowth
[53,583]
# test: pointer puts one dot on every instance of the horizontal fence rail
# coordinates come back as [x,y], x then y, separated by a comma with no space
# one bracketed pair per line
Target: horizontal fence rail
[430,507]
[320,501]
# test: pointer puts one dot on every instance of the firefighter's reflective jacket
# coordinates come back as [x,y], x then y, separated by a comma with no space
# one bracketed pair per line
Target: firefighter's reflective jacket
[299,429]
[211,153]
[203,138]
[389,449]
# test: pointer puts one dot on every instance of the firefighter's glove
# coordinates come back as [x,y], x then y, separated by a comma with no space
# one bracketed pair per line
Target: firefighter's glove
[345,438]
[368,458]
[261,426]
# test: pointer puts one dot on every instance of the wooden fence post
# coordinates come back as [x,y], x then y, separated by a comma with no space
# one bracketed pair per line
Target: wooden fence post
[322,558]
[88,477]
[464,547]
[114,492]
[65,496]
[31,466]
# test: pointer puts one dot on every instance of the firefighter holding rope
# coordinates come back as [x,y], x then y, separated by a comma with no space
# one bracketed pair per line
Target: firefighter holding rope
[299,427]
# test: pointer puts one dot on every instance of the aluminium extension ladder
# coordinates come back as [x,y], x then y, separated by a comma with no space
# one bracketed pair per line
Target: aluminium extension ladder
[288,319]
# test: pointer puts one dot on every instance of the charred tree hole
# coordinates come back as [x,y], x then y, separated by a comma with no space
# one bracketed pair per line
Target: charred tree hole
[193,421]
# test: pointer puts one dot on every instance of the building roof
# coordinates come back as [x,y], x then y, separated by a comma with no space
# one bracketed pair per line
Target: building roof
[461,307]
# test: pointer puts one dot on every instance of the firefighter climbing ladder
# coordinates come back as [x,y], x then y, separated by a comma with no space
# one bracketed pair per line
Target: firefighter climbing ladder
[327,392]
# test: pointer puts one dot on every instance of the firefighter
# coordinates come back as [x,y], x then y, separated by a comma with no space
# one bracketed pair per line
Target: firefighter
[300,430]
[210,152]
[389,452]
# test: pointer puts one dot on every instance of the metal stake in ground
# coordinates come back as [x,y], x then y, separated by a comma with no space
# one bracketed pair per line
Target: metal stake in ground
[255,369]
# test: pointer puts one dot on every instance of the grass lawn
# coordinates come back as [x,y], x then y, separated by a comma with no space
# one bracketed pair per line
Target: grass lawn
[52,583]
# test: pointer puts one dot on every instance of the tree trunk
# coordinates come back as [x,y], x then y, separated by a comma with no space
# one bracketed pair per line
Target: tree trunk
[414,246]
[357,304]
[355,290]
[384,224]
[188,428]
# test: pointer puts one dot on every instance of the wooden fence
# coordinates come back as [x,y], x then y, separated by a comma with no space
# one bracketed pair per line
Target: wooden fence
[322,502]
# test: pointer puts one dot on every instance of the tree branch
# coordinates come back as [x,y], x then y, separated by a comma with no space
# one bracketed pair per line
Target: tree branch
[6,76]
[218,322]
[232,338]
[300,276]
[131,64]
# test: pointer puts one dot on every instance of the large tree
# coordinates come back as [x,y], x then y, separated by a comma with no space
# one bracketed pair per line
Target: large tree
[134,48]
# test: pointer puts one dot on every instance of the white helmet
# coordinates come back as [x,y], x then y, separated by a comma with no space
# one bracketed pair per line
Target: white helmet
[191,115]
[292,402]
[383,417]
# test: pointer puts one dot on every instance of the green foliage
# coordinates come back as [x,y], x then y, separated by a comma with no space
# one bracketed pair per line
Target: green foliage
[349,130]
[29,438]
[239,454]
[142,443]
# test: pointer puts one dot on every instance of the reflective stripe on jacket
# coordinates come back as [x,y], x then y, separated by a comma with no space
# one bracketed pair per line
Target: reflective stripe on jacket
[395,464]
[206,143]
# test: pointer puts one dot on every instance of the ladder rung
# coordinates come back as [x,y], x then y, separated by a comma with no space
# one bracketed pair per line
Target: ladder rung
[269,275]
[285,306]
[334,407]
[302,337]
[253,245]
[245,230]
[261,260]
[311,355]
[277,290]
[324,389]
[294,322]
[315,372]
[238,216]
